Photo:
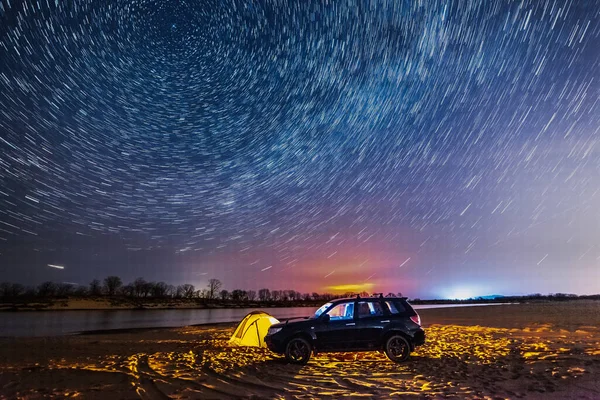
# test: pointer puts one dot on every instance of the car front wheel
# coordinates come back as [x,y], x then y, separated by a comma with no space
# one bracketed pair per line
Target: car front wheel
[397,348]
[298,351]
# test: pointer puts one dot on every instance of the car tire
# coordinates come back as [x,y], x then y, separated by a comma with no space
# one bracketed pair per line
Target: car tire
[298,351]
[397,348]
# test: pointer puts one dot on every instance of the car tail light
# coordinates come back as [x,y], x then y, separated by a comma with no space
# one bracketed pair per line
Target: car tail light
[416,319]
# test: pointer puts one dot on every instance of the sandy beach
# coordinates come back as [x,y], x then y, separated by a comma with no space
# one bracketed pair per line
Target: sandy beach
[539,351]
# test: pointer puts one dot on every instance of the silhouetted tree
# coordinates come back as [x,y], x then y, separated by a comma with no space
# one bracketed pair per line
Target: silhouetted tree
[64,289]
[147,288]
[112,284]
[46,289]
[214,285]
[178,292]
[128,290]
[81,291]
[159,289]
[290,295]
[326,296]
[224,294]
[139,286]
[264,294]
[187,291]
[95,288]
[11,289]
[251,295]
[170,291]
[5,289]
[16,289]
[239,294]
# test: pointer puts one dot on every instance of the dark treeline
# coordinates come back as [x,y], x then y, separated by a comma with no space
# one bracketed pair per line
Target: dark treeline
[140,289]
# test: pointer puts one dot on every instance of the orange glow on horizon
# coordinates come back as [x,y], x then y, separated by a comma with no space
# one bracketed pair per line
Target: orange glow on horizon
[358,287]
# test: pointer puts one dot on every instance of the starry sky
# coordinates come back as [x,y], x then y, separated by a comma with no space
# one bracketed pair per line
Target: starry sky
[436,148]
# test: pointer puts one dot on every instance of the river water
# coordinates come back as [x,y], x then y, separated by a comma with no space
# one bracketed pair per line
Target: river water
[55,323]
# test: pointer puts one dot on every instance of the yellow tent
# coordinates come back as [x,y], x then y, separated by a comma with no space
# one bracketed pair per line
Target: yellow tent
[253,329]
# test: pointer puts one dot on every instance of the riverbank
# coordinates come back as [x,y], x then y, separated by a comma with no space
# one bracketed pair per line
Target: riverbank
[53,323]
[129,303]
[124,303]
[538,351]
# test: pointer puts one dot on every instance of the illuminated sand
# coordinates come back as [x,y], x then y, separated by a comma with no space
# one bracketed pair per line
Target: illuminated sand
[555,355]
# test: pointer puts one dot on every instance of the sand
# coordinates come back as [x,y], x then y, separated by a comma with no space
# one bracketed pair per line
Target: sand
[538,351]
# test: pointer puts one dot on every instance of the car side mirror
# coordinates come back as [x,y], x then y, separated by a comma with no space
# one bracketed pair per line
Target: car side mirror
[325,318]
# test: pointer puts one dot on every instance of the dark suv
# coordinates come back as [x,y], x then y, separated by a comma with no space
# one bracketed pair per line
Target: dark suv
[356,324]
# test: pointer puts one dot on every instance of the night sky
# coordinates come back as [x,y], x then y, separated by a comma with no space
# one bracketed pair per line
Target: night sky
[439,149]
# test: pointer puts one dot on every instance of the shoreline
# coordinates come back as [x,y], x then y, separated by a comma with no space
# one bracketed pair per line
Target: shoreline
[144,308]
[53,324]
[119,304]
[232,324]
[250,306]
[101,304]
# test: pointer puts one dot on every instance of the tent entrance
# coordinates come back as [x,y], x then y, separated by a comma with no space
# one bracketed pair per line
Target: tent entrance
[252,330]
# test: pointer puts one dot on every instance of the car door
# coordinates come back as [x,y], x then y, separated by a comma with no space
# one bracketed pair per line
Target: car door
[337,334]
[371,319]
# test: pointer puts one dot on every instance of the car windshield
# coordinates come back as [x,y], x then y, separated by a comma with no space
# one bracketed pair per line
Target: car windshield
[322,309]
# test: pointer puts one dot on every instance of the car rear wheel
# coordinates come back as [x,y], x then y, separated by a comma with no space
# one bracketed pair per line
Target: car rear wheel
[397,348]
[298,351]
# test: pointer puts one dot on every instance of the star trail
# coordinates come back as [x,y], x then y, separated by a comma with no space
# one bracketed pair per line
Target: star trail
[423,147]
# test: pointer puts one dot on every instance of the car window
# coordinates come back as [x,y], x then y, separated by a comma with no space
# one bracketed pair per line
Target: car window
[392,307]
[369,309]
[322,309]
[395,307]
[400,307]
[340,312]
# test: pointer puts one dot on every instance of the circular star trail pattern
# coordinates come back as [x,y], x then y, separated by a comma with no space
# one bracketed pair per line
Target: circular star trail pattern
[303,139]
